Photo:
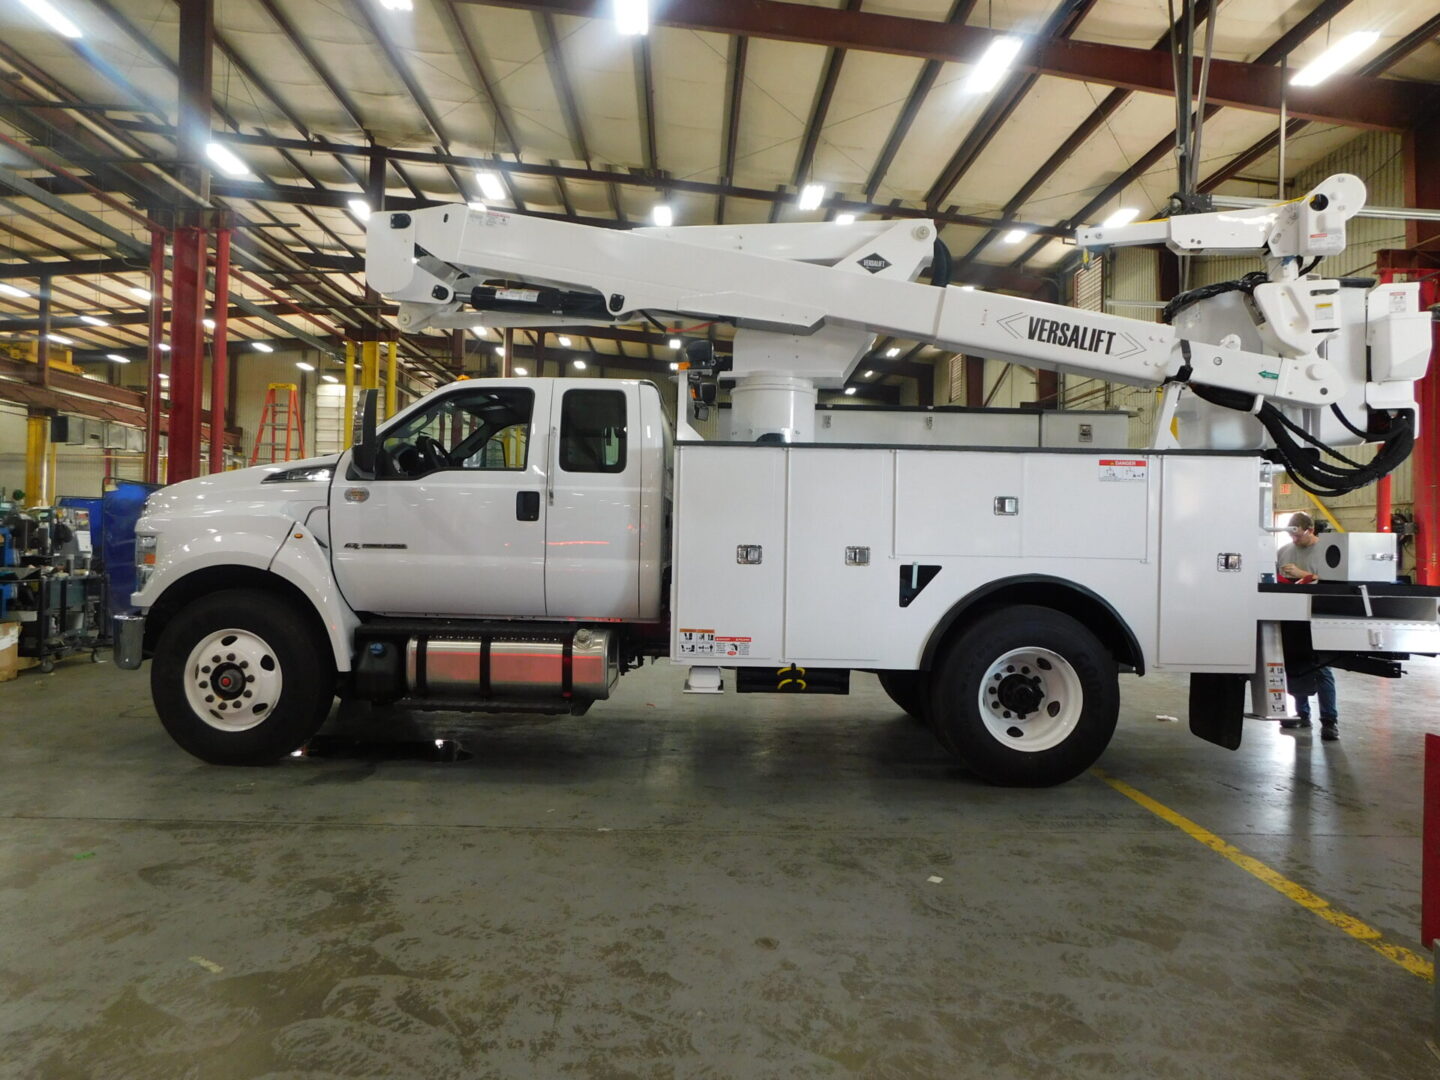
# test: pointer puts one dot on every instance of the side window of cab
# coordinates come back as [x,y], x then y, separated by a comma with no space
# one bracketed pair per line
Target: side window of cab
[593,431]
[470,429]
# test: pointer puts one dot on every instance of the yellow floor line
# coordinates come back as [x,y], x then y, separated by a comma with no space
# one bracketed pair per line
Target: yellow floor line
[1413,962]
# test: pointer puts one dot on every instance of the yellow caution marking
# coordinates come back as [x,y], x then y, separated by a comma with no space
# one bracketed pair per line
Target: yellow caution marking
[1413,962]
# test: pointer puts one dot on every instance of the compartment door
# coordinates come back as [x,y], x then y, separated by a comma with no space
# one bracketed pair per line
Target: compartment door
[726,611]
[835,613]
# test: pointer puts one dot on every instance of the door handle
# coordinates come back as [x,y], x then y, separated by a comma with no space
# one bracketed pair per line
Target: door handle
[527,506]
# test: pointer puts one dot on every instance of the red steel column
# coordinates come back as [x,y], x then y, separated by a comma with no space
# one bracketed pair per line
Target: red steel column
[220,357]
[1426,472]
[1430,845]
[1421,152]
[1382,504]
[187,367]
[157,330]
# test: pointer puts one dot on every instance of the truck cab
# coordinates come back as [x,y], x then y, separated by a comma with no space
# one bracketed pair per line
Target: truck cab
[502,545]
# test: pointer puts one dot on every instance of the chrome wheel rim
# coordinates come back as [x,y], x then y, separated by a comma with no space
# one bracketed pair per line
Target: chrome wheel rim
[1031,699]
[233,680]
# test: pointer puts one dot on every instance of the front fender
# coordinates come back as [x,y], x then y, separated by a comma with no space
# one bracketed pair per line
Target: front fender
[183,551]
[305,563]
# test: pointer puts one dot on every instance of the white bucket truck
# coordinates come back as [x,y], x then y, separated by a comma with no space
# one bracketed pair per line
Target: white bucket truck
[517,544]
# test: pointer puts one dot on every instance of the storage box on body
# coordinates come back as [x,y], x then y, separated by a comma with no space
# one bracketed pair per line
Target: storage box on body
[1355,556]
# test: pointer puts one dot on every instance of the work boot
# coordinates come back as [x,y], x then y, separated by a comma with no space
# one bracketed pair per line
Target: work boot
[1291,725]
[1329,730]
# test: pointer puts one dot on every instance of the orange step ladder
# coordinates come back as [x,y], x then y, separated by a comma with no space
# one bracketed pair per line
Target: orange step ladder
[277,415]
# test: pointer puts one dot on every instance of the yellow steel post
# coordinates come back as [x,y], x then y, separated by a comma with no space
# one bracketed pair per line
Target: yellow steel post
[52,474]
[369,365]
[37,437]
[349,393]
[390,369]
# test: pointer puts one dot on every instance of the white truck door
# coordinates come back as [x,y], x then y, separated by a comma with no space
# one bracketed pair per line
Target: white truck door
[592,525]
[454,522]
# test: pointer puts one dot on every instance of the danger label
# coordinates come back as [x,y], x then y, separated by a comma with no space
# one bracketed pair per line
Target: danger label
[697,642]
[732,646]
[1112,469]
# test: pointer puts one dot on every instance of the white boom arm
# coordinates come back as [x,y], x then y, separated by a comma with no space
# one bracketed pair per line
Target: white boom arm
[808,300]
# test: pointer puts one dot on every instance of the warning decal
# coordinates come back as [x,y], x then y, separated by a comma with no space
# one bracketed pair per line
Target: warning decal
[1123,469]
[732,646]
[697,642]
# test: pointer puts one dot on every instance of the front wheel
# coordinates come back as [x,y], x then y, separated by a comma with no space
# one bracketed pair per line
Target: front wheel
[1027,697]
[238,680]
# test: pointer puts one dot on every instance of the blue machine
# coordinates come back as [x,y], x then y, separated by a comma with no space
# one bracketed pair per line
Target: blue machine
[120,512]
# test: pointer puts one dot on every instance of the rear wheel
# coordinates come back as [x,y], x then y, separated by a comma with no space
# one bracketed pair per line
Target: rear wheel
[907,689]
[238,679]
[1027,696]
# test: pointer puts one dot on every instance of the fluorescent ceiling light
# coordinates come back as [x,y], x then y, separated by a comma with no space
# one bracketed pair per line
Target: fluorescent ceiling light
[140,294]
[303,366]
[522,371]
[59,339]
[849,391]
[663,216]
[91,320]
[209,324]
[844,219]
[499,350]
[57,22]
[1123,216]
[480,331]
[397,5]
[967,288]
[478,206]
[868,375]
[992,65]
[564,341]
[163,377]
[260,346]
[892,352]
[11,290]
[1334,58]
[811,196]
[579,365]
[1014,236]
[674,365]
[117,358]
[163,347]
[675,343]
[225,160]
[329,378]
[490,185]
[360,208]
[632,17]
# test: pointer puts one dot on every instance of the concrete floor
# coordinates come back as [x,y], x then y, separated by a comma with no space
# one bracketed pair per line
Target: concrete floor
[724,887]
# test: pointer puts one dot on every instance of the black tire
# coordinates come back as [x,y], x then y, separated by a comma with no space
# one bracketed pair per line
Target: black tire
[303,659]
[963,673]
[907,689]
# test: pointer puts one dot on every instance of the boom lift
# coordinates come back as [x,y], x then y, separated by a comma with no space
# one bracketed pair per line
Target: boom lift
[515,544]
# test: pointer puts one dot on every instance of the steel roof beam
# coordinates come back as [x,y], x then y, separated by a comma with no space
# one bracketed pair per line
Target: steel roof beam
[826,93]
[923,84]
[891,209]
[1282,47]
[1352,100]
[1422,35]
[733,93]
[1064,22]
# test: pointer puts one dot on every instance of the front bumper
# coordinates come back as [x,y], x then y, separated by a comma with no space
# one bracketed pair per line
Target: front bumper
[129,641]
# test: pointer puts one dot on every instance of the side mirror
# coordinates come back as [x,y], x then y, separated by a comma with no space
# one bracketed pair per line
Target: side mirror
[364,444]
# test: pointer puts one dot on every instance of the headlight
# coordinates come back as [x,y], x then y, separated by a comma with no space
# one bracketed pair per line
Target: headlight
[144,559]
[315,473]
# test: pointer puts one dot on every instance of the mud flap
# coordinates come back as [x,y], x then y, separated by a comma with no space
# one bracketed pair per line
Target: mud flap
[1217,708]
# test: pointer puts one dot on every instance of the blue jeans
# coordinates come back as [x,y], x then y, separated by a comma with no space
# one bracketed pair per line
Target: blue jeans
[1325,691]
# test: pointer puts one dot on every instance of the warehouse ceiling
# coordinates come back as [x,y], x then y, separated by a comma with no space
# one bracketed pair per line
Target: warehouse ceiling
[724,110]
